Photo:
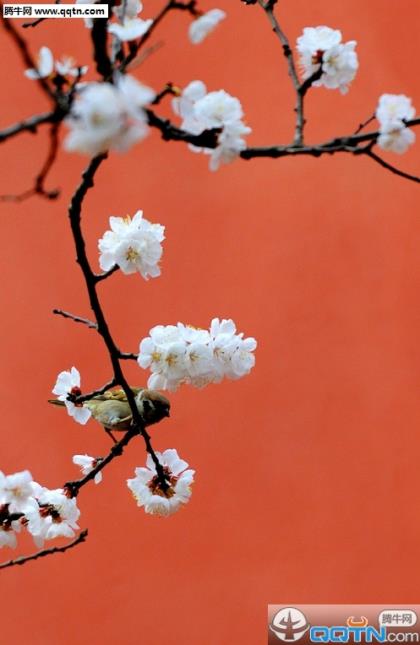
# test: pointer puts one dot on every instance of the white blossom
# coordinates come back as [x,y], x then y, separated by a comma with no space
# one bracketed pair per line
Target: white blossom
[219,110]
[130,28]
[67,67]
[133,244]
[182,354]
[392,112]
[148,491]
[87,464]
[201,27]
[321,48]
[44,65]
[17,491]
[56,516]
[106,116]
[69,383]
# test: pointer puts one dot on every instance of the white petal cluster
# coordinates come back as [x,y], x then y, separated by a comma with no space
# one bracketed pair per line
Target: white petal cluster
[130,26]
[56,516]
[44,65]
[69,383]
[134,244]
[201,110]
[321,47]
[46,514]
[148,491]
[108,116]
[177,354]
[67,67]
[392,112]
[87,464]
[203,25]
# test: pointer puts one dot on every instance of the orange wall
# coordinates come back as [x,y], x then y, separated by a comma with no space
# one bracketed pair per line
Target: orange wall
[307,471]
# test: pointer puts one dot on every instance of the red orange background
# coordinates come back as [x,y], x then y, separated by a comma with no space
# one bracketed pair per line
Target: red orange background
[307,485]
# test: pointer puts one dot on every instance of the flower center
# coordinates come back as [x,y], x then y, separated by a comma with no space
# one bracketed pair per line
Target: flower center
[155,485]
[132,255]
[317,57]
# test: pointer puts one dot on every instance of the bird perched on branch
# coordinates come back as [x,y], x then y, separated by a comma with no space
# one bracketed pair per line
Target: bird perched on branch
[112,410]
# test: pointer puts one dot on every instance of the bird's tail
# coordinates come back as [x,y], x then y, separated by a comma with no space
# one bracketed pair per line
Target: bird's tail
[56,402]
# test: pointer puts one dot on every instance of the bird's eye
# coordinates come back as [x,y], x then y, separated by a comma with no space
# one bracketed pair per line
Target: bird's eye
[147,405]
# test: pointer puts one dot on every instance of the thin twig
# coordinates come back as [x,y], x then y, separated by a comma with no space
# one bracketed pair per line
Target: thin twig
[116,451]
[392,168]
[34,23]
[102,276]
[127,356]
[363,124]
[78,319]
[41,554]
[27,125]
[98,392]
[38,187]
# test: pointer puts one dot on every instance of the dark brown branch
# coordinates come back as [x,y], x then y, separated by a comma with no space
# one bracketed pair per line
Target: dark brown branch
[99,35]
[75,210]
[28,125]
[98,392]
[78,319]
[42,554]
[34,23]
[127,356]
[38,188]
[103,276]
[207,139]
[363,124]
[392,168]
[116,451]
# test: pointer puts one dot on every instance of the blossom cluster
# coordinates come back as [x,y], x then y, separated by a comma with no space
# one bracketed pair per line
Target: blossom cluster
[108,116]
[45,513]
[392,112]
[130,26]
[177,354]
[148,490]
[134,244]
[320,48]
[45,66]
[201,110]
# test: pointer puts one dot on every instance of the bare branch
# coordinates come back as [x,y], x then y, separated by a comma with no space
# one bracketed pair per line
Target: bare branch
[78,319]
[42,554]
[103,276]
[98,392]
[116,451]
[391,168]
[28,125]
[207,139]
[75,208]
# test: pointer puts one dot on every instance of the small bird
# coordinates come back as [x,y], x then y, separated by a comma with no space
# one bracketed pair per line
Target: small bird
[111,409]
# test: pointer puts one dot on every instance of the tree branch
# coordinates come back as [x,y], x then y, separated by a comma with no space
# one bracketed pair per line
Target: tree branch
[42,554]
[78,319]
[28,125]
[75,209]
[391,168]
